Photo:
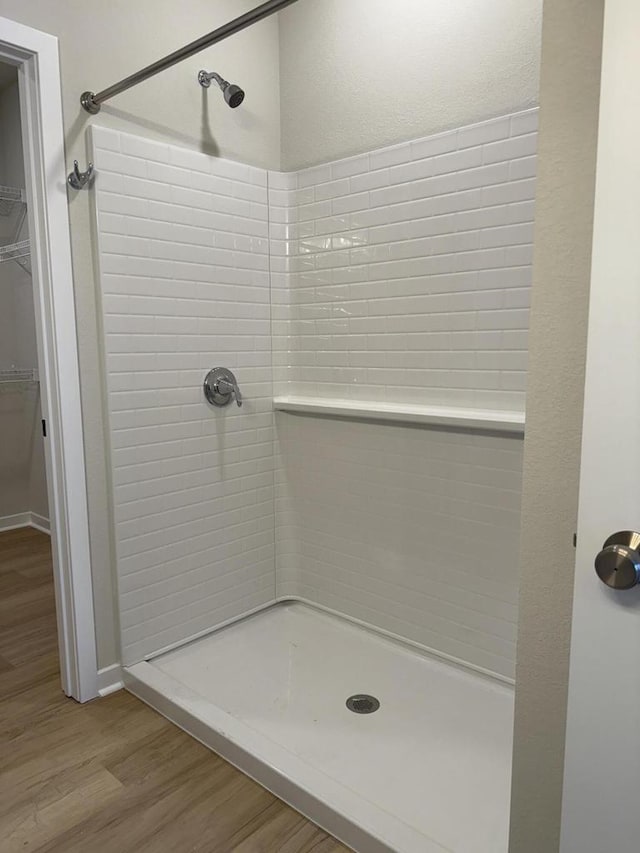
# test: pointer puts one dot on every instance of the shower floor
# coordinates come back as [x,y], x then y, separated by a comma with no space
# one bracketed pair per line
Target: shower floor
[428,772]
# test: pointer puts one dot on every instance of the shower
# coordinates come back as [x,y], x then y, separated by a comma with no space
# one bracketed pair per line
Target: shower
[317,559]
[233,94]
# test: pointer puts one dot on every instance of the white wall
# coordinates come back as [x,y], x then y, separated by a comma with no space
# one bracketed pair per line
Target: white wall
[411,530]
[183,244]
[23,485]
[360,74]
[99,44]
[11,158]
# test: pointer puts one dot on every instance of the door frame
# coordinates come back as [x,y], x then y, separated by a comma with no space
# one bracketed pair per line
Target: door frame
[35,55]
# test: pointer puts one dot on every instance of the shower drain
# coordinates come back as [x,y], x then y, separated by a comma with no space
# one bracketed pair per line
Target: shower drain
[362,703]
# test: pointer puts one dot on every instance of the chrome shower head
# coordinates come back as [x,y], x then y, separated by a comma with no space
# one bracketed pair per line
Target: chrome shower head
[233,94]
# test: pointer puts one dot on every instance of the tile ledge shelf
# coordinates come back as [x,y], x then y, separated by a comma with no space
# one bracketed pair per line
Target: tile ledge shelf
[481,420]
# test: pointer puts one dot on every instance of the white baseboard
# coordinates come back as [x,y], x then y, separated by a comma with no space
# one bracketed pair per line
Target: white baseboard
[25,519]
[110,679]
[11,522]
[40,523]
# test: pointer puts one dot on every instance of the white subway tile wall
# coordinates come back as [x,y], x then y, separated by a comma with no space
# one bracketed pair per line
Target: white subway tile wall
[412,530]
[184,274]
[401,275]
[404,275]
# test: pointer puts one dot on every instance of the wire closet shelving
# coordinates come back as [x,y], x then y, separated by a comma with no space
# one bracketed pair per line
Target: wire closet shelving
[18,379]
[13,205]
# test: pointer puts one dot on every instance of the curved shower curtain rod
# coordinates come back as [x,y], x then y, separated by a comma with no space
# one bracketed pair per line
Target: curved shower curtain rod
[91,102]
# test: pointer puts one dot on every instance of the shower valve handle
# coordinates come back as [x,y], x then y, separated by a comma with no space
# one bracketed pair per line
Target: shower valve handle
[230,386]
[220,386]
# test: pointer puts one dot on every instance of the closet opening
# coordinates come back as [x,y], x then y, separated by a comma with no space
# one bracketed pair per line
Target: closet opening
[45,564]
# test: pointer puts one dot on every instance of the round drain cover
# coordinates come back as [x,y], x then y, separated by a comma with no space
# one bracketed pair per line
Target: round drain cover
[362,703]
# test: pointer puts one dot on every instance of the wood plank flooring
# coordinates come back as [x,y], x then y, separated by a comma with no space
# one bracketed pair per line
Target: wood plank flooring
[111,776]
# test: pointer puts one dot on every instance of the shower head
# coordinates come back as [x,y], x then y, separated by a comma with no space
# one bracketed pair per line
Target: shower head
[233,94]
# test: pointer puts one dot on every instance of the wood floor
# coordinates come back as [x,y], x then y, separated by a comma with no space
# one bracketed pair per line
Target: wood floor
[111,776]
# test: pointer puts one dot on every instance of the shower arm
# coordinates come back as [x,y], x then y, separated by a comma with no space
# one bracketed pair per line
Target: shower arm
[92,102]
[205,78]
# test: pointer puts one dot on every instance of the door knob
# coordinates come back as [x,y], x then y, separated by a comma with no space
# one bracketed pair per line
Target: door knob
[618,564]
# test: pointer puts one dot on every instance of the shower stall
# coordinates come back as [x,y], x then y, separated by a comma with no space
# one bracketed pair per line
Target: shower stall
[315,387]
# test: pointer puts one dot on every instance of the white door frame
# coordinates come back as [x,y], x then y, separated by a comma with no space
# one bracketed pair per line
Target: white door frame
[35,54]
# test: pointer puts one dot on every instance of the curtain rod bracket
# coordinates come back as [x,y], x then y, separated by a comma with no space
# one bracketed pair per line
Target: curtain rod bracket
[88,102]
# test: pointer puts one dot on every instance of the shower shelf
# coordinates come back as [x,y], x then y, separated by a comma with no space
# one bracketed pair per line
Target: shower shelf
[479,420]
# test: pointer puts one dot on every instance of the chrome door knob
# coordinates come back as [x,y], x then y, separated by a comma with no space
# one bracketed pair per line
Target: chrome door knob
[618,564]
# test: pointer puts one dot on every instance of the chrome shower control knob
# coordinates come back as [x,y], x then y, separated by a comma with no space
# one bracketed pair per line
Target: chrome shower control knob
[618,564]
[220,387]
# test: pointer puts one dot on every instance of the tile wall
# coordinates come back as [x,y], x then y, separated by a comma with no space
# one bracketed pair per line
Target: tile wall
[184,273]
[403,275]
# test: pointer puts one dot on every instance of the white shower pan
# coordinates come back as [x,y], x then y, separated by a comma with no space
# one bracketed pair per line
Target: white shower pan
[428,772]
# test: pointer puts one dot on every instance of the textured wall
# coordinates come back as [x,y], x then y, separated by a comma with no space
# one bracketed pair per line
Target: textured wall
[360,74]
[171,106]
[185,287]
[403,274]
[99,44]
[569,95]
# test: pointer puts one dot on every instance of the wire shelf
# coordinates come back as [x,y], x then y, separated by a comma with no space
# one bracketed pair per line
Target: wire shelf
[15,251]
[18,379]
[9,197]
[13,206]
[16,374]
